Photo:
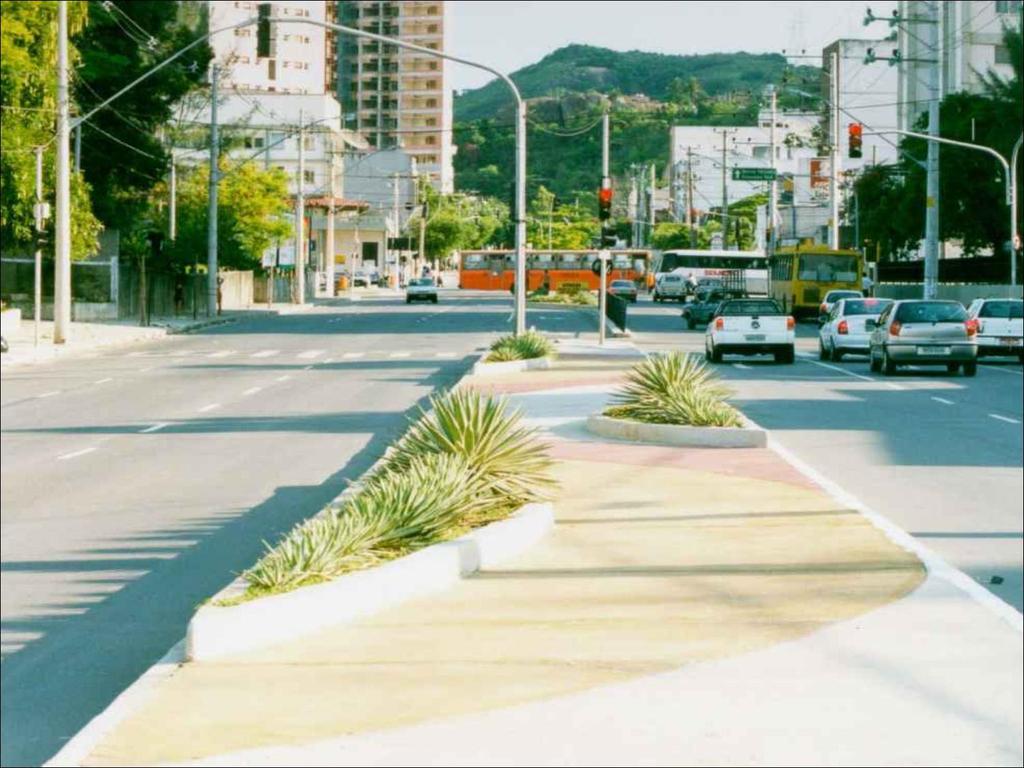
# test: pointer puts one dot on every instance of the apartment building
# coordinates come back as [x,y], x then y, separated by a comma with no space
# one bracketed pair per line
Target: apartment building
[970,46]
[393,96]
[298,62]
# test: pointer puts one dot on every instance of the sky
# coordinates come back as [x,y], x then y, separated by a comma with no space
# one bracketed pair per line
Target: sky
[510,35]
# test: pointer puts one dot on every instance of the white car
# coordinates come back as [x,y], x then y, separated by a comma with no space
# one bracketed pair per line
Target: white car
[750,327]
[670,286]
[1000,326]
[832,297]
[421,289]
[844,331]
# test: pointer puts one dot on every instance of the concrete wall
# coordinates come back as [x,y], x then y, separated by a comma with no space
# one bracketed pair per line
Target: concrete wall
[965,294]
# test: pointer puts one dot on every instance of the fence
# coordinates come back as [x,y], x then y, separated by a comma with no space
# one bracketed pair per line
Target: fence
[965,294]
[615,310]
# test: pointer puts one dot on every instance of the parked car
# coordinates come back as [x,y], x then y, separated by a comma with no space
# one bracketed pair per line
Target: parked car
[832,297]
[624,289]
[750,327]
[421,289]
[844,331]
[924,332]
[700,311]
[670,287]
[1000,326]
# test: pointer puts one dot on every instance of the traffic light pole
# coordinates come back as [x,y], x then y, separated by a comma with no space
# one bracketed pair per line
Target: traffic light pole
[37,299]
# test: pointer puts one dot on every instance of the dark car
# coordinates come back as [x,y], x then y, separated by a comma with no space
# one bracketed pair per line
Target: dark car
[624,289]
[700,311]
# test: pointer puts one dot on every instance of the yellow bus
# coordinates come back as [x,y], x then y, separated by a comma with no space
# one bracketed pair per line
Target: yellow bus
[801,276]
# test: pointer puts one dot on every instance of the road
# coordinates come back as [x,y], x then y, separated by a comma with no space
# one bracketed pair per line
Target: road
[138,482]
[939,455]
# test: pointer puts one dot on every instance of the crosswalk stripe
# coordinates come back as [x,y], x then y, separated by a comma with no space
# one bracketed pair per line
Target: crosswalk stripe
[222,353]
[265,353]
[353,355]
[399,354]
[309,354]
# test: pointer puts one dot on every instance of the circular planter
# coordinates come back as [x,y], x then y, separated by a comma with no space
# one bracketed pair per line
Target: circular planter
[749,436]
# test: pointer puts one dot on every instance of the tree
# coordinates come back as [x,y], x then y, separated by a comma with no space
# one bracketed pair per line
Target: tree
[28,91]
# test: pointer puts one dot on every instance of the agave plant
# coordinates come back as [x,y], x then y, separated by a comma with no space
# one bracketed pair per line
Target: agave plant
[526,346]
[674,389]
[512,463]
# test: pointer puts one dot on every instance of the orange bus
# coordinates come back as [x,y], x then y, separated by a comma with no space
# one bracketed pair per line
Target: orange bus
[496,270]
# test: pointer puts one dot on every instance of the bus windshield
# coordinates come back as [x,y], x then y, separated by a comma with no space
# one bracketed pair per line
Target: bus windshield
[827,268]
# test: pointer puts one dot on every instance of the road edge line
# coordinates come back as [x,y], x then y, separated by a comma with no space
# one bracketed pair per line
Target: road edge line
[931,560]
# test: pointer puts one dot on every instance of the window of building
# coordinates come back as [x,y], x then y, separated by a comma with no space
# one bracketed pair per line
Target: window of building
[253,142]
[431,103]
[309,143]
[431,121]
[432,84]
[287,65]
[432,65]
[244,32]
[271,69]
[309,177]
[430,140]
[1003,55]
[432,29]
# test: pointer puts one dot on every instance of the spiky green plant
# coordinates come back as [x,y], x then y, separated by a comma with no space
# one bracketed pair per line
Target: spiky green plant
[675,388]
[526,346]
[511,460]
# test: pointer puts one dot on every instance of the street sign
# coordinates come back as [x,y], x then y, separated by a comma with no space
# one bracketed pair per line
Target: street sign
[753,174]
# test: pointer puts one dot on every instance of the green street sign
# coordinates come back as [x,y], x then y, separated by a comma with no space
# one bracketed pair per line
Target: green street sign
[753,174]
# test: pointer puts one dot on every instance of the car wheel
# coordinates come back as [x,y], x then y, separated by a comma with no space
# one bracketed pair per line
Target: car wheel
[691,323]
[952,367]
[888,366]
[716,354]
[971,368]
[873,362]
[434,300]
[822,352]
[836,356]
[707,351]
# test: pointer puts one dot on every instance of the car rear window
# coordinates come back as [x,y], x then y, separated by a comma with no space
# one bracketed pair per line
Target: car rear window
[421,281]
[739,308]
[671,278]
[837,295]
[865,306]
[1003,309]
[621,284]
[931,312]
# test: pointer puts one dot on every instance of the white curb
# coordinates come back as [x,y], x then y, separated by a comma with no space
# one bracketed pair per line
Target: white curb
[481,368]
[216,631]
[674,434]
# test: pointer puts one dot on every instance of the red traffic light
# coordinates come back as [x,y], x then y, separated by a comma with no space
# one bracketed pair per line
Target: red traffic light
[856,131]
[604,203]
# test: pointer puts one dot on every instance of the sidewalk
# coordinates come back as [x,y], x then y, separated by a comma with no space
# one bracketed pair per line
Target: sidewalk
[691,606]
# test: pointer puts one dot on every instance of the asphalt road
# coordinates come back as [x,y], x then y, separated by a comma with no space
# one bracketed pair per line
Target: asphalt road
[137,483]
[939,455]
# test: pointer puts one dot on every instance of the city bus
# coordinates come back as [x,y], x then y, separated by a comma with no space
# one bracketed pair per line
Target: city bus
[801,276]
[750,266]
[495,270]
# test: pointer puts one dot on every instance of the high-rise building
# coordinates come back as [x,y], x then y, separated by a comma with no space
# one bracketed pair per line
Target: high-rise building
[393,96]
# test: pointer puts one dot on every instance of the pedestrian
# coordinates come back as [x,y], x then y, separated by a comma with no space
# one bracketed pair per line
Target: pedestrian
[179,297]
[867,286]
[440,282]
[220,293]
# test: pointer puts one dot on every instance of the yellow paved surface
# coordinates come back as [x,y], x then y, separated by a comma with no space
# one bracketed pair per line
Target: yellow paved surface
[649,567]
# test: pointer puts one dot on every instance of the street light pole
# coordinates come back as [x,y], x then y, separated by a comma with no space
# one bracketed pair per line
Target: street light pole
[62,266]
[1014,232]
[931,211]
[300,214]
[211,224]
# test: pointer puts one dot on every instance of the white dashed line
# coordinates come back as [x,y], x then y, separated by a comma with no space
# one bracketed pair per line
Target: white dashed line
[741,366]
[399,354]
[309,354]
[1007,419]
[327,361]
[48,394]
[76,454]
[307,367]
[210,407]
[222,353]
[145,370]
[283,378]
[265,353]
[103,381]
[353,355]
[888,384]
[251,391]
[1003,369]
[943,400]
[154,428]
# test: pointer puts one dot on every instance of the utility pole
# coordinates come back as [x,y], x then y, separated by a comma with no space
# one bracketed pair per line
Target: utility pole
[725,195]
[300,214]
[329,239]
[62,266]
[931,213]
[773,186]
[689,197]
[396,218]
[834,170]
[211,224]
[37,299]
[652,182]
[78,148]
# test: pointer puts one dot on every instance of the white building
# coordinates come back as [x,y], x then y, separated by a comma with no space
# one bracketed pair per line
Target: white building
[298,62]
[970,46]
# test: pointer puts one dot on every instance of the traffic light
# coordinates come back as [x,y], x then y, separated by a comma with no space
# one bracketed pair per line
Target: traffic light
[855,132]
[604,203]
[263,32]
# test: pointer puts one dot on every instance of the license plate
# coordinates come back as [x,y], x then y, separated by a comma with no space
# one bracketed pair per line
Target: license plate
[1010,341]
[754,337]
[933,350]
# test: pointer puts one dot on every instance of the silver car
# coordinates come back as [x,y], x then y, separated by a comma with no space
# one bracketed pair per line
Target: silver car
[845,331]
[924,332]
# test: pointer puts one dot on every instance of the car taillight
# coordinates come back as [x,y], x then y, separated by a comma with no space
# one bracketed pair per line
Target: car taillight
[790,323]
[719,323]
[894,329]
[823,308]
[843,327]
[972,327]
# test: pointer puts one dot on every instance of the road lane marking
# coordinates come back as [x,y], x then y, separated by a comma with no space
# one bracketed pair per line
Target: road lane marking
[251,391]
[154,428]
[283,378]
[310,354]
[210,407]
[146,370]
[307,367]
[265,353]
[353,355]
[943,400]
[1002,369]
[222,353]
[399,354]
[888,384]
[75,454]
[327,361]
[741,366]
[103,381]
[1007,419]
[41,395]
